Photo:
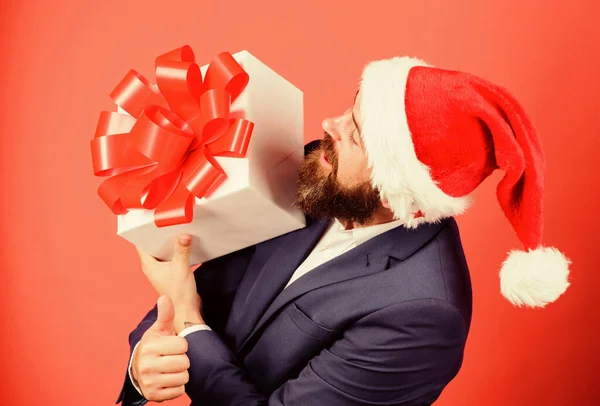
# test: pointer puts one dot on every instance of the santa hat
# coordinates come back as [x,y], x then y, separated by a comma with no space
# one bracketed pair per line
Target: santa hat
[433,135]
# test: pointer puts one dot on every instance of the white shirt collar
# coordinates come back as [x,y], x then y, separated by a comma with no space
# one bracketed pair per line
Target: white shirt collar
[363,234]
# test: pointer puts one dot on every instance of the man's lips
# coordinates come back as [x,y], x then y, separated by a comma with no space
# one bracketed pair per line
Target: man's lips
[324,160]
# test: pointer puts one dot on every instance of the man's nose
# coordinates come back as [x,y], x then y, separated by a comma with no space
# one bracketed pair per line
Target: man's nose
[330,126]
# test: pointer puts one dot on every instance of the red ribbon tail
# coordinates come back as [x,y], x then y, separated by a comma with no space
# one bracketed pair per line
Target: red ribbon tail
[202,172]
[234,143]
[177,209]
[162,188]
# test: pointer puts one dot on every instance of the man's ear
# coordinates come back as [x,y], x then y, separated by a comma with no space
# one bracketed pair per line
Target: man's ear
[385,203]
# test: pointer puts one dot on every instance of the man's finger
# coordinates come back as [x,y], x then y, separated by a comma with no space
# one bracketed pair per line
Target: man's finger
[173,380]
[165,316]
[167,345]
[161,395]
[168,364]
[183,247]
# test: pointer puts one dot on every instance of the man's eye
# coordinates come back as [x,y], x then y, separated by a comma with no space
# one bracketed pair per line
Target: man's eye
[351,136]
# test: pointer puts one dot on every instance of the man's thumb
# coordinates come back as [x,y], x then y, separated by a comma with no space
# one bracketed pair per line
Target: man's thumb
[183,246]
[165,316]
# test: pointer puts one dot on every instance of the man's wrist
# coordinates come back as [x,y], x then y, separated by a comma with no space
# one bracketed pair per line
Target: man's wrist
[187,316]
[192,301]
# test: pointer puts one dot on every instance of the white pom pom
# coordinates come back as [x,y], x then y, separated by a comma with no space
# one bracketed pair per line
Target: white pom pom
[534,278]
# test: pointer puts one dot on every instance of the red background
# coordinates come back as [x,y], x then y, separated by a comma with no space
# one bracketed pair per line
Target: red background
[72,290]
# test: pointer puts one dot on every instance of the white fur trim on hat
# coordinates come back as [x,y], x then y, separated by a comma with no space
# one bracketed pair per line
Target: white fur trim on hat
[397,173]
[534,278]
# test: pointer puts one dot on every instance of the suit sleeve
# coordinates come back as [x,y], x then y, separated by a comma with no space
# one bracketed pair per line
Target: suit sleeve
[217,282]
[404,354]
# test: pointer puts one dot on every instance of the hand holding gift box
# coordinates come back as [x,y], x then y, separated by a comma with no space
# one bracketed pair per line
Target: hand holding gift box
[212,152]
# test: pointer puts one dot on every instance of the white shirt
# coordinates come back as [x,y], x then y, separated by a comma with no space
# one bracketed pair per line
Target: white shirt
[335,241]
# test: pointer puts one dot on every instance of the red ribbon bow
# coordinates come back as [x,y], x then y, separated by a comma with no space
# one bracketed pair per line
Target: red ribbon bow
[165,149]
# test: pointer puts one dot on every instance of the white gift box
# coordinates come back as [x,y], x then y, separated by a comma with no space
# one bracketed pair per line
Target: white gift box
[256,201]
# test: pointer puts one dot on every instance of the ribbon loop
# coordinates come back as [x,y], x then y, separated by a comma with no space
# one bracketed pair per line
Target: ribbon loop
[135,92]
[183,54]
[111,145]
[214,105]
[225,73]
[203,174]
[234,143]
[181,85]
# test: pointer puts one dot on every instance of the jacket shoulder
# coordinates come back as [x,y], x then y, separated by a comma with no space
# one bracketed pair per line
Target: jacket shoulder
[437,271]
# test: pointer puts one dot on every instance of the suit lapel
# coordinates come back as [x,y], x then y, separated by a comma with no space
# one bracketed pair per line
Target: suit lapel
[352,264]
[275,273]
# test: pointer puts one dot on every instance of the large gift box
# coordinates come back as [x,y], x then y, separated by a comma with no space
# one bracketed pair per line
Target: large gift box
[226,176]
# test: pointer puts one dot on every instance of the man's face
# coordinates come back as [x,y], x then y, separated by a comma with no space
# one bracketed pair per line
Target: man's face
[334,180]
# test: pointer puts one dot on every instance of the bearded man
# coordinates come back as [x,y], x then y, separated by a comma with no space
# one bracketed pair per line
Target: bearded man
[371,303]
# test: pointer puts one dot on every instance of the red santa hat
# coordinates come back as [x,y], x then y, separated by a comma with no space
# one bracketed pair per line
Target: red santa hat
[433,135]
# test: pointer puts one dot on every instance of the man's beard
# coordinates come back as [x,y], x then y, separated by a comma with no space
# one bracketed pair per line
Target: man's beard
[320,195]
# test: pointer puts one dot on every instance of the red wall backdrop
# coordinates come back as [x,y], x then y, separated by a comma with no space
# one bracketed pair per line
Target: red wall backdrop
[72,290]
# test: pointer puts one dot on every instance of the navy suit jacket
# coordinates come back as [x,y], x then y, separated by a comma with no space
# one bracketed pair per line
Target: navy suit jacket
[382,324]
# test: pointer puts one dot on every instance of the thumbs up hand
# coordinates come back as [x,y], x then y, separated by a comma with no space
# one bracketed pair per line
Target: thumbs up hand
[160,363]
[175,279]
